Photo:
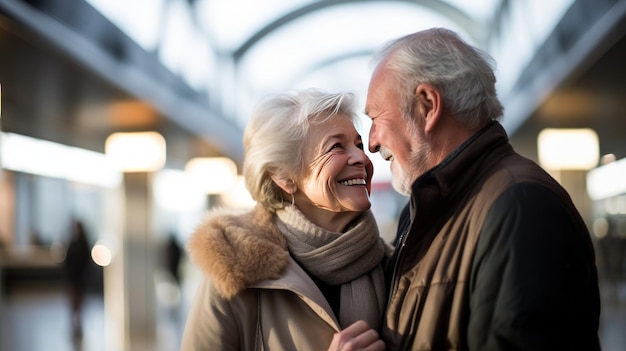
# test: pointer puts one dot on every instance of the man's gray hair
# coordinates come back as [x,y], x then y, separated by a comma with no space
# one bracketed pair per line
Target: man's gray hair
[463,74]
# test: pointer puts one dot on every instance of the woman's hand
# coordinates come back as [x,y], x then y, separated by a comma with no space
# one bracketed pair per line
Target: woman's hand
[358,336]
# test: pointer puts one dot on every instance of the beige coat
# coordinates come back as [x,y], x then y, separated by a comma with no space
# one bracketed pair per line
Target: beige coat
[253,295]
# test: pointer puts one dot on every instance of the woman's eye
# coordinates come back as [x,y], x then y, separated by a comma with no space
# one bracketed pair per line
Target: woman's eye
[335,146]
[360,146]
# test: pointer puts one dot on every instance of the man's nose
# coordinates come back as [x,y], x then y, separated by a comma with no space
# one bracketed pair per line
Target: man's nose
[373,144]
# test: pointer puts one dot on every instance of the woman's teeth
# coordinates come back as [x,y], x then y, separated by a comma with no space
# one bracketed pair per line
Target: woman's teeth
[358,181]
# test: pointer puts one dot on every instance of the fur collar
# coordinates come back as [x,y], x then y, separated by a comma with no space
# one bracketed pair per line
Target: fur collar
[238,250]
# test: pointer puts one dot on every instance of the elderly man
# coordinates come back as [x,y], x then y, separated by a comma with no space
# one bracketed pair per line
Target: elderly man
[491,253]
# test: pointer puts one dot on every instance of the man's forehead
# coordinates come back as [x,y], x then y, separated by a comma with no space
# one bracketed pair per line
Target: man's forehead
[372,108]
[378,90]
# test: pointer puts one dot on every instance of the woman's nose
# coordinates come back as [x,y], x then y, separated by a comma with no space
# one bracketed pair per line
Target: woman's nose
[359,156]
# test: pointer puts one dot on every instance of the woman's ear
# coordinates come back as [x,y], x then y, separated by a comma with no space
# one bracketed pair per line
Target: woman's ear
[429,102]
[287,184]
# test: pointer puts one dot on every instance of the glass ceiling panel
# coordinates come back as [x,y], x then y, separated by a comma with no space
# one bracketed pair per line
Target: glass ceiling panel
[479,10]
[229,23]
[334,31]
[143,29]
[355,29]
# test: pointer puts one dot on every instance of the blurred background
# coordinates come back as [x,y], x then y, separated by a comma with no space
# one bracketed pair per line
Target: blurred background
[121,125]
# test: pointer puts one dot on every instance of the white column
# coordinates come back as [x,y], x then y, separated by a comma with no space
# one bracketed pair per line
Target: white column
[139,262]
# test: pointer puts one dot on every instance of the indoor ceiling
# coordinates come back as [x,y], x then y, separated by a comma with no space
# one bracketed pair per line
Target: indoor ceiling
[238,51]
[594,96]
[230,53]
[261,46]
[245,49]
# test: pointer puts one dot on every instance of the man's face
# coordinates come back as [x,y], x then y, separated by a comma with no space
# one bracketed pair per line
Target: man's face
[399,141]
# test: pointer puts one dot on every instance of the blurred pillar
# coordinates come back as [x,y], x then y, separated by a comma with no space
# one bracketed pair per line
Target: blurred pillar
[575,182]
[568,153]
[138,155]
[139,262]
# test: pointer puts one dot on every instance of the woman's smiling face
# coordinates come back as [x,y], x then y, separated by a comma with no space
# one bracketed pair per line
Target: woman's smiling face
[337,171]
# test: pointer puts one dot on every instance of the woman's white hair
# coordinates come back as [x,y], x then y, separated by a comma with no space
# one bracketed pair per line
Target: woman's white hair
[463,74]
[274,137]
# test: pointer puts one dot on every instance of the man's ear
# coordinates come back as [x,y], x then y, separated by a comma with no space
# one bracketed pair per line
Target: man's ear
[287,184]
[428,99]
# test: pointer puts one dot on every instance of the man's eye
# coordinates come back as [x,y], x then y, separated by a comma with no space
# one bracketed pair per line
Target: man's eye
[360,146]
[335,146]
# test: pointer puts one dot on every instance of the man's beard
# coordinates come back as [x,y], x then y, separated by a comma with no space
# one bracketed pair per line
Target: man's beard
[403,178]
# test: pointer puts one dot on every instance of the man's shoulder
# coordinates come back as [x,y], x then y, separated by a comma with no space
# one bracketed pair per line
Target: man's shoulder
[515,169]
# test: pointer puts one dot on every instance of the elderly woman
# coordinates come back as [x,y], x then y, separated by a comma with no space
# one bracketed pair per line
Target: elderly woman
[306,262]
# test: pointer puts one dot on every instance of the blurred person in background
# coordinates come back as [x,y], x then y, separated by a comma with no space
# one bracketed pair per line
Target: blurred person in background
[303,270]
[172,253]
[76,265]
[491,253]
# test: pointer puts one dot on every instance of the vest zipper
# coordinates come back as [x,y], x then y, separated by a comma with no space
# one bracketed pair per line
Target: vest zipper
[396,264]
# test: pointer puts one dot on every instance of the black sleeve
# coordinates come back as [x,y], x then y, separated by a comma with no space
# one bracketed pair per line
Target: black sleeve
[533,282]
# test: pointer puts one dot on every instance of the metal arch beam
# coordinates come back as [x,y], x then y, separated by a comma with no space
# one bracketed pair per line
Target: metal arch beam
[334,59]
[474,29]
[345,56]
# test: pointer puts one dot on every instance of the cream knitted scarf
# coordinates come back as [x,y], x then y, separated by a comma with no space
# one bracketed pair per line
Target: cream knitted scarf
[352,259]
